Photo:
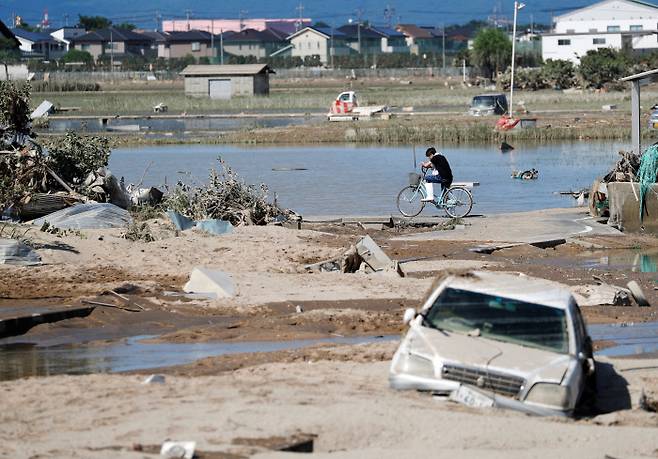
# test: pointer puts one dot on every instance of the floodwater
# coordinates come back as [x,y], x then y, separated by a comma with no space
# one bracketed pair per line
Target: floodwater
[176,126]
[634,260]
[24,359]
[365,180]
[630,339]
[21,360]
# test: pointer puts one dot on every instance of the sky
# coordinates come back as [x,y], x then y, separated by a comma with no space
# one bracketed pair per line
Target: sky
[336,12]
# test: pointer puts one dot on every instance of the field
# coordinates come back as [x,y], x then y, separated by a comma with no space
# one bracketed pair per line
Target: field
[316,96]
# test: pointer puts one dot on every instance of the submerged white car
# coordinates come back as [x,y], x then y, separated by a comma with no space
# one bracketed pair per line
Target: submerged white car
[498,339]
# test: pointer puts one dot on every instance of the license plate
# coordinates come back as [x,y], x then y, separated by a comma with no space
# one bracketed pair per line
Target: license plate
[471,397]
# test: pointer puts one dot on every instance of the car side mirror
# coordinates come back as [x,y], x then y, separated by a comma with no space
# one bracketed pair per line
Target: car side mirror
[409,315]
[588,362]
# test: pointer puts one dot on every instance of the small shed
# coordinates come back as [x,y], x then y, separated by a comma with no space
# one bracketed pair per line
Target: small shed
[226,81]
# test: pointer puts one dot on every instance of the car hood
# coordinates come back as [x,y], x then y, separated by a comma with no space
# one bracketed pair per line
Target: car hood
[523,361]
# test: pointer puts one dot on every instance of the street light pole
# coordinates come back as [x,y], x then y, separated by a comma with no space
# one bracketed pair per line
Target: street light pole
[517,7]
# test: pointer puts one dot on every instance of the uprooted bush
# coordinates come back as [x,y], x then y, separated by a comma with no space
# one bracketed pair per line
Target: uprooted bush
[74,156]
[225,197]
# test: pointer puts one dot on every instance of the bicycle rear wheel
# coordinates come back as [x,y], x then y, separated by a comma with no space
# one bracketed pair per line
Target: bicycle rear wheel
[458,202]
[410,201]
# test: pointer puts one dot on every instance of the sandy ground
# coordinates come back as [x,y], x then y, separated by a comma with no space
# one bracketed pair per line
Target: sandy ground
[346,405]
[232,403]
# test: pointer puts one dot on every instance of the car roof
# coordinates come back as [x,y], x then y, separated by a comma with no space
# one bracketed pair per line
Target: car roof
[490,95]
[516,286]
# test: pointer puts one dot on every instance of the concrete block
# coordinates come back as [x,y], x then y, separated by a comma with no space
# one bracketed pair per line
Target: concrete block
[373,255]
[211,284]
[624,204]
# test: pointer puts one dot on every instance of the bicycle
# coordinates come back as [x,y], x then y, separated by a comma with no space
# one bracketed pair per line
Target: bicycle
[456,201]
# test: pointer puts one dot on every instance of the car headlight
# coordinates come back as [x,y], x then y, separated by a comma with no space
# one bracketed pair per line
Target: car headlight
[418,366]
[549,394]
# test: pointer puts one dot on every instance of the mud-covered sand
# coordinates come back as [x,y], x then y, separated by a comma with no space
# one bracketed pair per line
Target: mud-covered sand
[338,393]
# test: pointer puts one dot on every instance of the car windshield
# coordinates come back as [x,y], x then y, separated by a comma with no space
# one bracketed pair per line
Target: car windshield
[483,101]
[501,319]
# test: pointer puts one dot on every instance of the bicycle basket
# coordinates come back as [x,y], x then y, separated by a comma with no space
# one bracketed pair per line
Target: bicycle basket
[414,178]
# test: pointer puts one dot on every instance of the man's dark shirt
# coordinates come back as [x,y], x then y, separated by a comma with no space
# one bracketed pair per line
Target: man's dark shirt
[440,163]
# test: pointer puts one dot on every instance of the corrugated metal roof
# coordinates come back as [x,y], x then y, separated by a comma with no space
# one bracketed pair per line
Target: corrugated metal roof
[246,69]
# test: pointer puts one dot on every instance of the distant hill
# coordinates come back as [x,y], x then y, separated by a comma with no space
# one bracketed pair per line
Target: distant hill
[424,12]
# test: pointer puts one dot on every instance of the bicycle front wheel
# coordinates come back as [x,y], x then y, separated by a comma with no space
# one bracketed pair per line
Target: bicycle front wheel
[458,202]
[410,201]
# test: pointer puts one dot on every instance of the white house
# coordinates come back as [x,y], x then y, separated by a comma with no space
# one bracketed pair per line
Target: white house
[318,41]
[66,34]
[617,24]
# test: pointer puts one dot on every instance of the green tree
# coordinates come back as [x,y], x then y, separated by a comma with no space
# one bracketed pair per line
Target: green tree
[602,66]
[77,55]
[462,55]
[492,51]
[558,74]
[126,26]
[25,26]
[93,22]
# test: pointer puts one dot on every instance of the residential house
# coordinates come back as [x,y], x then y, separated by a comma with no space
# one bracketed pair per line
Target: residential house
[418,39]
[66,34]
[113,41]
[41,45]
[617,24]
[252,42]
[318,41]
[374,40]
[173,45]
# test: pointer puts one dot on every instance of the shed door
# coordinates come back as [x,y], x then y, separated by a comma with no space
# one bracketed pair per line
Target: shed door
[219,89]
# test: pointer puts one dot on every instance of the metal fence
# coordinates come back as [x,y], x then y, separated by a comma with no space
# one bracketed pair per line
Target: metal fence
[281,73]
[315,72]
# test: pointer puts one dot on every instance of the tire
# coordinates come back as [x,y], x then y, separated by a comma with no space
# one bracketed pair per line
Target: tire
[458,202]
[410,201]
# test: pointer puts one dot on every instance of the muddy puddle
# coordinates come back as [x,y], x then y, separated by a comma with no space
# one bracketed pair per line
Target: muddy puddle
[24,360]
[643,261]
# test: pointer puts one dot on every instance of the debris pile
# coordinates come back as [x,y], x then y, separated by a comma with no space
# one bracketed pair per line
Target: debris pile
[226,197]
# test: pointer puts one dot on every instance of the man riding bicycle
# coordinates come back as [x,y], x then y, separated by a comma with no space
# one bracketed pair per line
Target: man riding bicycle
[441,173]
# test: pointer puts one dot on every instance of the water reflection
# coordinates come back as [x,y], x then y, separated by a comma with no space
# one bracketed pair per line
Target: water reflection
[628,260]
[629,339]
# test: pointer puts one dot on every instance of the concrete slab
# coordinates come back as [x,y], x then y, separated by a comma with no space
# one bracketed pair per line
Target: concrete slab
[523,227]
[212,284]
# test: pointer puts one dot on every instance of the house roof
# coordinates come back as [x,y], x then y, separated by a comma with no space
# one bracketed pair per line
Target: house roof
[188,36]
[413,31]
[211,70]
[111,34]
[253,35]
[352,31]
[34,37]
[326,32]
[388,32]
[596,5]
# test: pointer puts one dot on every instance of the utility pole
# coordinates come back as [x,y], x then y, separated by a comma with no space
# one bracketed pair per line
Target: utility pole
[221,46]
[188,13]
[389,14]
[359,12]
[212,41]
[243,13]
[517,7]
[66,20]
[111,51]
[300,9]
[158,18]
[331,49]
[443,47]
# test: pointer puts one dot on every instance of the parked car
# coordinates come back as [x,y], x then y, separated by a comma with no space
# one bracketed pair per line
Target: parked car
[488,104]
[499,339]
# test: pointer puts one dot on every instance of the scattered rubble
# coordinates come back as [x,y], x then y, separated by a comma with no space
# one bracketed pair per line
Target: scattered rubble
[227,197]
[364,256]
[638,294]
[601,294]
[14,252]
[182,223]
[178,449]
[88,216]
